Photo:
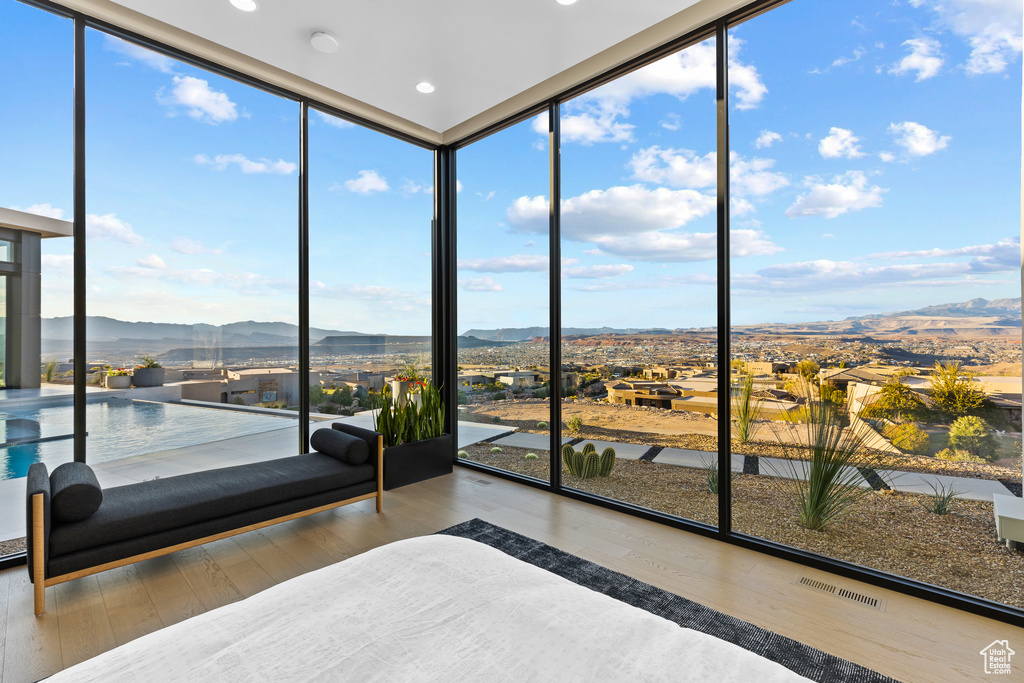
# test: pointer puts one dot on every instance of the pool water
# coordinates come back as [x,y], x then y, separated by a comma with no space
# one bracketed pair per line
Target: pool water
[120,429]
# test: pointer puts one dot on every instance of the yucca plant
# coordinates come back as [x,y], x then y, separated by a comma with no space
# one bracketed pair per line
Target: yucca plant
[746,410]
[409,422]
[829,483]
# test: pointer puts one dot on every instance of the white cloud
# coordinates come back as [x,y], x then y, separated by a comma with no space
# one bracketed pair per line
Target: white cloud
[185,245]
[839,143]
[152,261]
[110,227]
[413,187]
[1002,256]
[918,140]
[148,57]
[368,181]
[458,186]
[245,165]
[45,210]
[828,236]
[992,28]
[200,101]
[597,272]
[682,168]
[842,61]
[481,284]
[57,265]
[847,192]
[598,116]
[766,139]
[672,122]
[517,263]
[887,157]
[637,223]
[333,121]
[825,274]
[924,58]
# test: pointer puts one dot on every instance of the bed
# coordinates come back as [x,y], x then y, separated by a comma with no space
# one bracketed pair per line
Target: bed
[435,608]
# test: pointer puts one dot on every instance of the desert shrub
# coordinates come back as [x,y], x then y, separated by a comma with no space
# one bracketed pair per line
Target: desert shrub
[49,370]
[495,419]
[940,502]
[463,398]
[955,391]
[958,456]
[575,424]
[238,401]
[745,410]
[531,456]
[329,409]
[495,449]
[710,468]
[540,393]
[970,433]
[463,454]
[343,396]
[498,396]
[347,412]
[542,425]
[907,437]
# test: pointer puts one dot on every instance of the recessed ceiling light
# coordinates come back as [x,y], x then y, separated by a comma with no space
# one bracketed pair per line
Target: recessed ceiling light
[324,42]
[566,2]
[245,5]
[425,87]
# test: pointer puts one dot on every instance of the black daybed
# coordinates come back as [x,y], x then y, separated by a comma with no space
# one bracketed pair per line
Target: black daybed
[75,528]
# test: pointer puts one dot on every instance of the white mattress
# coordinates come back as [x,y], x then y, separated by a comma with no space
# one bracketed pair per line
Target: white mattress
[435,608]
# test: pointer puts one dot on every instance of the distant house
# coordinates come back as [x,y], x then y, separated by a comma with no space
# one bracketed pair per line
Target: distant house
[840,378]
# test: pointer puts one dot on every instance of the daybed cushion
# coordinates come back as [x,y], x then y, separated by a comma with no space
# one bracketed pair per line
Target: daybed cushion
[344,447]
[150,507]
[75,492]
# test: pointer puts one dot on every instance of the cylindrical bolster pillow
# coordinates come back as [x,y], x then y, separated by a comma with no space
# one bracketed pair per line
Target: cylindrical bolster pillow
[75,494]
[340,445]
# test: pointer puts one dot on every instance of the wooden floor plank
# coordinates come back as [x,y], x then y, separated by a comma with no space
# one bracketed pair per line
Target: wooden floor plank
[913,640]
[32,650]
[132,613]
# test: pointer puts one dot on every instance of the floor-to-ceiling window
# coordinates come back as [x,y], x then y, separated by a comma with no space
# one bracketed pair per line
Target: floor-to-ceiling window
[191,287]
[36,77]
[504,373]
[639,253]
[371,205]
[885,304]
[875,367]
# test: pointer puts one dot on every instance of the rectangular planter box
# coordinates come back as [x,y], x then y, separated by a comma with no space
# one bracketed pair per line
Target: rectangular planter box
[409,463]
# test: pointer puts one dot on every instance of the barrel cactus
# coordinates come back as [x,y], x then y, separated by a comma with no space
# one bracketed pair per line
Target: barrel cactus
[588,463]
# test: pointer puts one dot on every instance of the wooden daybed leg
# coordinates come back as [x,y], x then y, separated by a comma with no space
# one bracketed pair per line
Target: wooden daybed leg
[380,474]
[39,554]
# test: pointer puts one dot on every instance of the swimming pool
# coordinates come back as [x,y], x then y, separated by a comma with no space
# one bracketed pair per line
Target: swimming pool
[119,429]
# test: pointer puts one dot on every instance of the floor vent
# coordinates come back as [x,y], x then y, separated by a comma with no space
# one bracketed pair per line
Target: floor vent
[844,593]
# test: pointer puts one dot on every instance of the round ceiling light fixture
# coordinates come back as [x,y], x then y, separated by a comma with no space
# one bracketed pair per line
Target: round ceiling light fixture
[324,42]
[245,5]
[425,88]
[566,2]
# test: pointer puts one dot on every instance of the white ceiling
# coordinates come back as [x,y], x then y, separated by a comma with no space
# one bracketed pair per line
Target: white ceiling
[478,53]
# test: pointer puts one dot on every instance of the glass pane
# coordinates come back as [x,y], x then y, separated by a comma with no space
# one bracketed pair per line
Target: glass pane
[503,298]
[882,308]
[192,250]
[35,244]
[371,203]
[639,304]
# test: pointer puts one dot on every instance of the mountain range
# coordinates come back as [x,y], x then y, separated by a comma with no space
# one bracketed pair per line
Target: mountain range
[977,318]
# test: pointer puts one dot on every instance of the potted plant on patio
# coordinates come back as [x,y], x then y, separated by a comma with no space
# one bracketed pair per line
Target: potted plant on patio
[118,378]
[415,445]
[149,373]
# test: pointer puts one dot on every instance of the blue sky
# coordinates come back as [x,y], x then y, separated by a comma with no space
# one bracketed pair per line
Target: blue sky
[876,166]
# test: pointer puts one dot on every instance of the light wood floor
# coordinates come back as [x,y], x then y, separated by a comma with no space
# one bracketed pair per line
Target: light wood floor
[913,640]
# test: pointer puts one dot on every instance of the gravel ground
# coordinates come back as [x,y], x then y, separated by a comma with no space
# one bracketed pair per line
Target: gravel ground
[15,545]
[888,531]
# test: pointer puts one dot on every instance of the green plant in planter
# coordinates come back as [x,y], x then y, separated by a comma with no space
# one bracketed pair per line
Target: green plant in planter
[587,464]
[148,361]
[409,422]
